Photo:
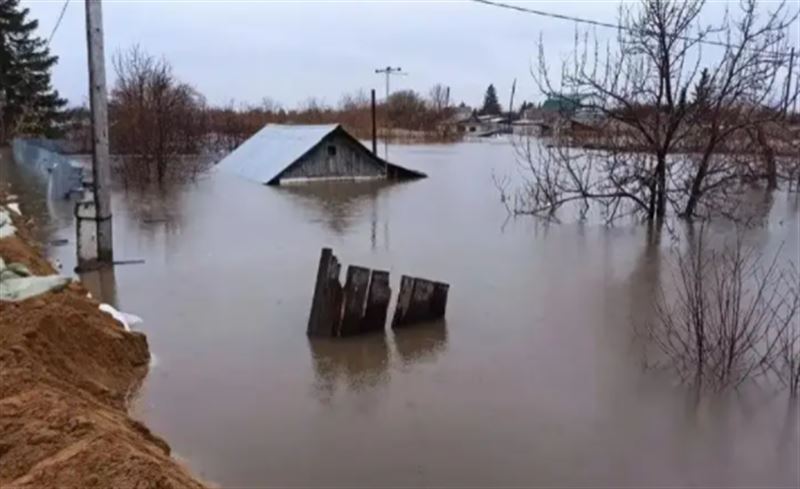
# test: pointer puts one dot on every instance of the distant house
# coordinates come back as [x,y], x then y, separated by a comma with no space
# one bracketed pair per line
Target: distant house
[562,104]
[470,124]
[484,125]
[578,107]
[290,153]
[461,114]
[527,127]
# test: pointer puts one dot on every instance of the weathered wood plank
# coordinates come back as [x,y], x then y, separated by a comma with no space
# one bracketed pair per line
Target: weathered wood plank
[403,301]
[419,309]
[439,299]
[420,300]
[355,294]
[326,303]
[378,297]
[335,298]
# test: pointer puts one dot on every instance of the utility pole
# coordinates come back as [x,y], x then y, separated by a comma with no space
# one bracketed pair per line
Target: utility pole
[511,106]
[2,100]
[374,127]
[101,165]
[388,71]
[2,113]
[789,83]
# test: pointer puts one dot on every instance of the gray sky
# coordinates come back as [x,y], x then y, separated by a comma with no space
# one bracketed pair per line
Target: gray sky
[291,51]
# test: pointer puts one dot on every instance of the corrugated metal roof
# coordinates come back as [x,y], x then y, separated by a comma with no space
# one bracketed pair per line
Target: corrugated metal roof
[272,149]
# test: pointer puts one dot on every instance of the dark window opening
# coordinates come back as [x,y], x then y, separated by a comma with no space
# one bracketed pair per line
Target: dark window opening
[331,150]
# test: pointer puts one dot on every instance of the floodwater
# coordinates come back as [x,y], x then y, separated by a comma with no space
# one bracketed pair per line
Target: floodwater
[535,378]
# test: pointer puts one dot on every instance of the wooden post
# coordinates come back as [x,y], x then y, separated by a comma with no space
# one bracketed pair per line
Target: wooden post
[419,300]
[438,305]
[374,127]
[355,295]
[419,310]
[326,305]
[403,300]
[101,167]
[378,299]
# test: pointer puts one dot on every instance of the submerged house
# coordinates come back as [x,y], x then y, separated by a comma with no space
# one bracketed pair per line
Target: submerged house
[281,153]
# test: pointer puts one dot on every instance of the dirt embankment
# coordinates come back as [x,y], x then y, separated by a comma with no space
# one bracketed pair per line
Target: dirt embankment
[66,372]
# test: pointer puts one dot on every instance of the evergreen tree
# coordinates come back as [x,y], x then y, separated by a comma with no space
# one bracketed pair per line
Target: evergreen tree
[490,104]
[31,105]
[702,89]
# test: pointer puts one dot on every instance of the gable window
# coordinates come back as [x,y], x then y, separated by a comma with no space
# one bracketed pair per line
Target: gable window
[331,150]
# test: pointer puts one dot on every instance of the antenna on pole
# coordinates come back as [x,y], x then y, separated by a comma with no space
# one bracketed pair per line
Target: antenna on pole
[388,71]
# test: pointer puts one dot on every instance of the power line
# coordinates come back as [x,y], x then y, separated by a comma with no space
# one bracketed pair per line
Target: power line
[598,23]
[58,22]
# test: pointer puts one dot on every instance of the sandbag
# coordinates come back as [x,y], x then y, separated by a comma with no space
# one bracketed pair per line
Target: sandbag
[7,228]
[17,283]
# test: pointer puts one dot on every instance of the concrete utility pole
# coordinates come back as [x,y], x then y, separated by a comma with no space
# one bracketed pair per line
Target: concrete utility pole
[101,165]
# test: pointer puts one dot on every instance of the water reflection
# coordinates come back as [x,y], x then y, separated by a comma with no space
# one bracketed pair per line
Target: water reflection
[422,343]
[357,364]
[340,205]
[102,284]
[156,205]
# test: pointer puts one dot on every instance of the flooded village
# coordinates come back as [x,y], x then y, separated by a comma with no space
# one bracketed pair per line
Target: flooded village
[549,245]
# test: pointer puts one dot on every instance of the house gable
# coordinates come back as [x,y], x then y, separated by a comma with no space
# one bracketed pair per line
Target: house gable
[336,156]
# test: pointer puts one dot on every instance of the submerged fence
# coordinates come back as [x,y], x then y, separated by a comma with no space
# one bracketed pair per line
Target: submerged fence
[62,175]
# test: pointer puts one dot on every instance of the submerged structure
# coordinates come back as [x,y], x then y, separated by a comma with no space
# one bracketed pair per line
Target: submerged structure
[361,305]
[281,153]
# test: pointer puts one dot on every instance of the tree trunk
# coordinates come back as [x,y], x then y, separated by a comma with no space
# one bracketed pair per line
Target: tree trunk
[651,205]
[661,187]
[697,182]
[769,158]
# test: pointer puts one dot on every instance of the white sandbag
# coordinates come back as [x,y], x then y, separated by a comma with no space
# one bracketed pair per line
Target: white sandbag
[7,228]
[14,288]
[127,320]
[17,283]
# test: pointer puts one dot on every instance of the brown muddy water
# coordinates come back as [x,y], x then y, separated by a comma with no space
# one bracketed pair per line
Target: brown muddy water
[535,379]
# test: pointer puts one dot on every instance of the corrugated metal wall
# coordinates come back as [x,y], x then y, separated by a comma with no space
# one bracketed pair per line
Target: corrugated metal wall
[61,174]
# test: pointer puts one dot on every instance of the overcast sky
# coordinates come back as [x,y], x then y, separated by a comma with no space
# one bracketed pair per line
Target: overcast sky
[291,51]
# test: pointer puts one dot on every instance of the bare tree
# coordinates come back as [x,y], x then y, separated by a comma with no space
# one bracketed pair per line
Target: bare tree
[439,96]
[411,115]
[154,118]
[786,365]
[664,113]
[727,319]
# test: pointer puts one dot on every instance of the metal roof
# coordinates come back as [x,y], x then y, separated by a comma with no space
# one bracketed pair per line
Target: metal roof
[272,149]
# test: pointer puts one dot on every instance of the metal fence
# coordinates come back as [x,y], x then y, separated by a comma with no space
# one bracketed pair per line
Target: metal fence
[62,175]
